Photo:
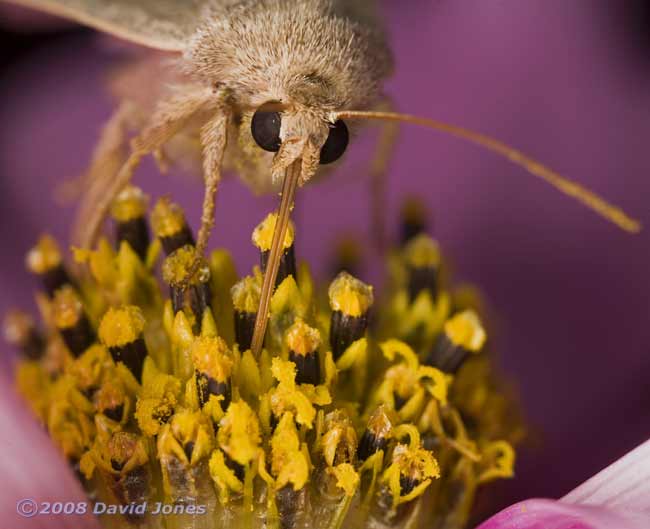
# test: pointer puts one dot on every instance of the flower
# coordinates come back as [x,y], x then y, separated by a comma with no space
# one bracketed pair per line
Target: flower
[517,241]
[346,417]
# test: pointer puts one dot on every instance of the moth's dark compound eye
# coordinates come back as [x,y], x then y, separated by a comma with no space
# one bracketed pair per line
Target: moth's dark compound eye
[336,143]
[265,128]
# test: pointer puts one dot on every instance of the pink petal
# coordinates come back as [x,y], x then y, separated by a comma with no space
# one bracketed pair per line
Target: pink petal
[618,497]
[624,486]
[550,514]
[32,468]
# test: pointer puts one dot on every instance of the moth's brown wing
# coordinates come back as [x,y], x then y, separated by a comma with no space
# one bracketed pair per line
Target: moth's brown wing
[364,11]
[160,24]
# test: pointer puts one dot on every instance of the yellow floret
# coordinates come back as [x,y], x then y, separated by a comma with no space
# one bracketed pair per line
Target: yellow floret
[422,252]
[130,203]
[44,256]
[212,357]
[167,218]
[302,339]
[465,330]
[349,295]
[239,433]
[67,307]
[263,233]
[178,264]
[121,326]
[346,478]
[246,294]
[288,462]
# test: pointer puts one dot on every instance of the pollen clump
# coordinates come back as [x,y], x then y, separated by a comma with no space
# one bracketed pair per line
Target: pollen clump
[349,295]
[465,329]
[121,326]
[302,339]
[130,203]
[167,218]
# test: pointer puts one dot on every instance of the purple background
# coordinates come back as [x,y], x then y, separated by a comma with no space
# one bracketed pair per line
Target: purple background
[570,292]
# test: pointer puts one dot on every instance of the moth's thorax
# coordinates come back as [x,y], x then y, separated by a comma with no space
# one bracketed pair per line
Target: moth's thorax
[310,53]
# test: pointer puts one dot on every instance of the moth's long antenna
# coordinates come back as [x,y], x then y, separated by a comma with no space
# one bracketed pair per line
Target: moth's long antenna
[568,187]
[288,192]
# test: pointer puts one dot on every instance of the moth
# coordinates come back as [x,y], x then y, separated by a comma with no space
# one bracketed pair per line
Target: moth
[268,88]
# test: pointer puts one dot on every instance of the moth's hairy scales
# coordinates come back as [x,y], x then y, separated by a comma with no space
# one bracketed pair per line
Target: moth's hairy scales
[308,52]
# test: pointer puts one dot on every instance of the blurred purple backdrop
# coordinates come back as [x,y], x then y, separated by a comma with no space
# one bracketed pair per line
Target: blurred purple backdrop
[570,292]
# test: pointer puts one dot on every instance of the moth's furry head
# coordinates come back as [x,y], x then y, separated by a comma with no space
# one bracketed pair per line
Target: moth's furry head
[302,52]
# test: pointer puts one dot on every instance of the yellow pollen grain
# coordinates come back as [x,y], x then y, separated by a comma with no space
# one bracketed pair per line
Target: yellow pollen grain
[121,326]
[167,218]
[44,256]
[239,433]
[302,339]
[263,233]
[66,307]
[465,330]
[422,252]
[246,294]
[349,295]
[130,203]
[212,357]
[176,266]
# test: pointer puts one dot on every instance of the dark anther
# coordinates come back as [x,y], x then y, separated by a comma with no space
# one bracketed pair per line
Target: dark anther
[54,278]
[446,355]
[399,401]
[116,465]
[115,413]
[244,327]
[132,355]
[290,503]
[407,484]
[235,467]
[370,444]
[183,237]
[345,330]
[420,279]
[188,449]
[79,337]
[207,386]
[287,264]
[135,232]
[307,367]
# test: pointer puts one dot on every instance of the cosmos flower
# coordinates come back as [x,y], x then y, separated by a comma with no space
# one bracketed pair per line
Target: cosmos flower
[156,396]
[520,63]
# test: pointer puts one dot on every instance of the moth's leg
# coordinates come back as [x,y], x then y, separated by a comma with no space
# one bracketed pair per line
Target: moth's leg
[170,116]
[379,176]
[213,141]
